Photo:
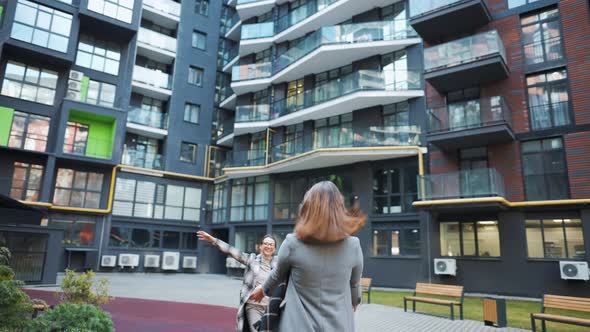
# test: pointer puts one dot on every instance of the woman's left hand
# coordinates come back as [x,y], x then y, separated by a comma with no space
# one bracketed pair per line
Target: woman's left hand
[257,294]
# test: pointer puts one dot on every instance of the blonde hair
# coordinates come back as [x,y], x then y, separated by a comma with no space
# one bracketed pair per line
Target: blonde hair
[323,217]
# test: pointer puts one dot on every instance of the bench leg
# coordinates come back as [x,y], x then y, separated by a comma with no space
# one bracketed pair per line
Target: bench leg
[543,326]
[414,306]
[405,305]
[369,297]
[533,327]
[461,311]
[452,312]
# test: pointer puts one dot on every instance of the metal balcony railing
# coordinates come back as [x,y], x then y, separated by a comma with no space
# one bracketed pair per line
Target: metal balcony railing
[470,114]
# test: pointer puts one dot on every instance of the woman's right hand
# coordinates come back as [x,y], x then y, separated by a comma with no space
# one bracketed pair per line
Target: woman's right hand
[202,235]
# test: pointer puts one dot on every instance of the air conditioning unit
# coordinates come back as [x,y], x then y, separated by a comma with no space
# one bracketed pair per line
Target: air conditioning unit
[74,85]
[73,95]
[151,261]
[76,75]
[446,266]
[189,262]
[572,270]
[128,260]
[170,260]
[108,261]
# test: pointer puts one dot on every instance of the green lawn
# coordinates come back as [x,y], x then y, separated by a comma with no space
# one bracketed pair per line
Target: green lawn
[518,311]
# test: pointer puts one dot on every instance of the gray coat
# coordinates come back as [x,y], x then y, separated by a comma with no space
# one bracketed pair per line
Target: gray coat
[323,284]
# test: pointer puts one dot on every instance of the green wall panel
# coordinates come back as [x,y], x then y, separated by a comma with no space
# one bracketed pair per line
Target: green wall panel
[6,115]
[101,133]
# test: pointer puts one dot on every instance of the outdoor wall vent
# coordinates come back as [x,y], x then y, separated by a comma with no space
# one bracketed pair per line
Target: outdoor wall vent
[108,261]
[151,261]
[170,260]
[572,270]
[128,260]
[446,266]
[189,262]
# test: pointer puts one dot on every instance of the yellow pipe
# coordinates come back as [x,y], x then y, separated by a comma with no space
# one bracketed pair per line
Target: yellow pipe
[501,200]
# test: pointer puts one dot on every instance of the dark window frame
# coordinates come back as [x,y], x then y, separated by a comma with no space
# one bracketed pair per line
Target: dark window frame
[400,228]
[25,132]
[27,186]
[565,242]
[544,158]
[473,223]
[199,36]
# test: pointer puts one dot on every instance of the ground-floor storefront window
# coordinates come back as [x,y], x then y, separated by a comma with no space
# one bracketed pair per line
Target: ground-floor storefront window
[28,254]
[555,238]
[473,238]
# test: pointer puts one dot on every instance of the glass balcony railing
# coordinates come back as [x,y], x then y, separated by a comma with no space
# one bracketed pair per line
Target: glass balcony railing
[243,2]
[464,50]
[251,71]
[224,126]
[152,77]
[248,158]
[143,159]
[483,182]
[165,6]
[147,117]
[421,7]
[258,30]
[229,55]
[88,146]
[469,115]
[301,13]
[157,40]
[252,113]
[229,24]
[225,93]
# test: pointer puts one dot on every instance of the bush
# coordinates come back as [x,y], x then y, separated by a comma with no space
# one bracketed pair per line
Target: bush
[71,317]
[15,305]
[4,256]
[6,273]
[78,288]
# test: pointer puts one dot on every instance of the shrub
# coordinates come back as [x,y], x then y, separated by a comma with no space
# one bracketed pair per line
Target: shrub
[80,288]
[6,273]
[15,305]
[72,317]
[4,256]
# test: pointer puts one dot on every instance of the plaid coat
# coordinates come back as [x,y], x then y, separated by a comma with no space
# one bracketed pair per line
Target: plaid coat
[271,318]
[252,262]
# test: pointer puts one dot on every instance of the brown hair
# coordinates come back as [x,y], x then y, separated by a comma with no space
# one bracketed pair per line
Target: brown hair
[323,217]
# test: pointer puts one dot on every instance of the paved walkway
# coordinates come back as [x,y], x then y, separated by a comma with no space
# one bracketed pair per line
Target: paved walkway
[206,289]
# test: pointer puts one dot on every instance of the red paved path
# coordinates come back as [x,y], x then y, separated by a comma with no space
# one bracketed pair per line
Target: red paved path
[131,315]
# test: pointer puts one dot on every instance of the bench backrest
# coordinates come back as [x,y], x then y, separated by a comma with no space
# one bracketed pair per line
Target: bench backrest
[366,282]
[438,289]
[566,302]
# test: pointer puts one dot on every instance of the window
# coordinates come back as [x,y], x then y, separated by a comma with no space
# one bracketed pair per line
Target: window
[395,69]
[477,238]
[191,113]
[548,99]
[333,132]
[76,138]
[170,240]
[121,10]
[249,199]
[29,83]
[144,199]
[79,229]
[545,174]
[77,188]
[188,152]
[518,3]
[541,37]
[98,55]
[200,40]
[555,238]
[142,151]
[202,7]
[195,76]
[26,247]
[257,149]
[288,194]
[280,234]
[189,241]
[394,189]
[126,237]
[42,26]
[396,241]
[100,93]
[26,181]
[29,131]
[247,239]
[219,203]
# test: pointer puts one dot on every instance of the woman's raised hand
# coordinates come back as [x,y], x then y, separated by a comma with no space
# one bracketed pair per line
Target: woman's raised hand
[202,235]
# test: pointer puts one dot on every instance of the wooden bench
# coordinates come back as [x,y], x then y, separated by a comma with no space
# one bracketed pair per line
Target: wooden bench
[366,287]
[37,308]
[580,304]
[441,290]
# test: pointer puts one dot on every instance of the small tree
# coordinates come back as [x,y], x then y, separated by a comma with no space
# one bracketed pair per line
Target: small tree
[4,256]
[71,317]
[15,305]
[78,288]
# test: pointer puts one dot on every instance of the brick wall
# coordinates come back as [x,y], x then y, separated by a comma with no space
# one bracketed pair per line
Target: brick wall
[505,158]
[577,147]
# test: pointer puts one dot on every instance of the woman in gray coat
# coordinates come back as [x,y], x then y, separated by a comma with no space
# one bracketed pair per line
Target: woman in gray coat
[323,264]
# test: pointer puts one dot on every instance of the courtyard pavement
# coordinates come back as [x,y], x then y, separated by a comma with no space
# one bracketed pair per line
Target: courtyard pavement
[200,292]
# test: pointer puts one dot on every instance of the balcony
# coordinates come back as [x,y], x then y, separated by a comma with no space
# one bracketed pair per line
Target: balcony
[227,98]
[91,147]
[134,157]
[466,62]
[163,12]
[328,48]
[251,8]
[471,184]
[232,28]
[156,46]
[469,124]
[438,19]
[327,149]
[151,83]
[229,58]
[147,123]
[297,23]
[355,91]
[224,130]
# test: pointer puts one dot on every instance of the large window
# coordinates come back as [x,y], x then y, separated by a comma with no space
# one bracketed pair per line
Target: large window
[394,189]
[29,83]
[280,234]
[545,173]
[333,132]
[219,204]
[26,181]
[79,229]
[288,194]
[555,238]
[247,239]
[144,199]
[76,138]
[121,10]
[402,240]
[474,238]
[100,93]
[191,113]
[78,189]
[42,26]
[249,199]
[28,254]
[548,99]
[98,55]
[195,76]
[541,37]
[202,7]
[189,241]
[29,131]
[188,152]
[199,40]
